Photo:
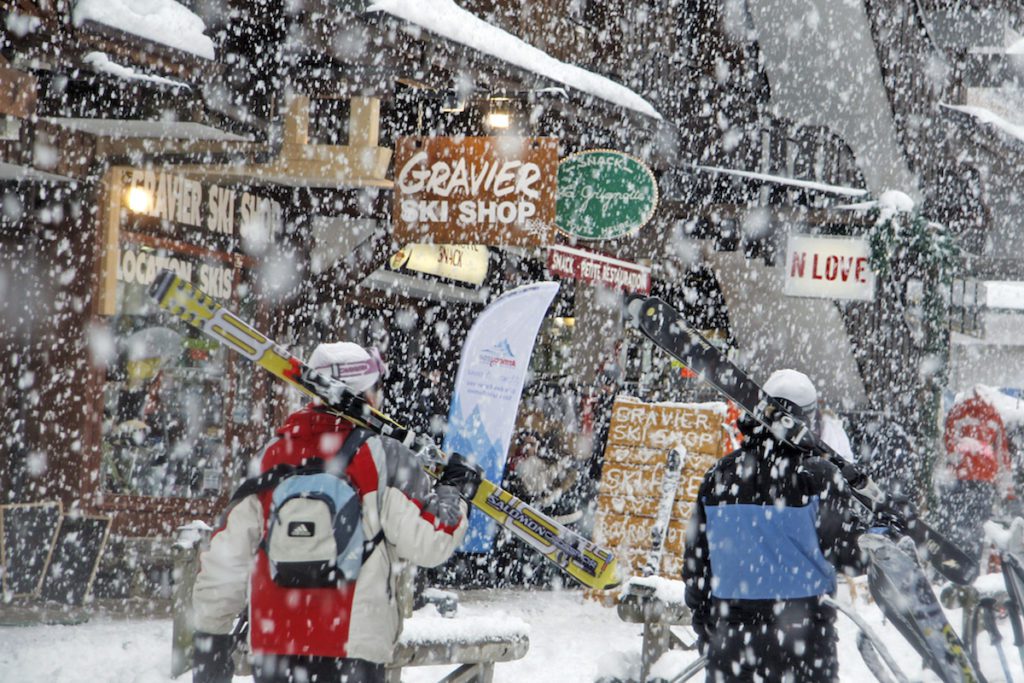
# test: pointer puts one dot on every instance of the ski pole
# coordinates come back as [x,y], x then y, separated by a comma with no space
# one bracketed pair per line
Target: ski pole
[1011,575]
[988,616]
[695,667]
[872,637]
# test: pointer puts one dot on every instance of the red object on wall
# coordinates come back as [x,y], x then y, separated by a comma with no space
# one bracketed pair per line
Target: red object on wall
[975,440]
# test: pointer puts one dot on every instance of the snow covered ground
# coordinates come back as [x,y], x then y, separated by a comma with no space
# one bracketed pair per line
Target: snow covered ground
[571,639]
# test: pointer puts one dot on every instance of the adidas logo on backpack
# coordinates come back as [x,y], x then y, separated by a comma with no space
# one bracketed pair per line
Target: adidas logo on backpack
[301,529]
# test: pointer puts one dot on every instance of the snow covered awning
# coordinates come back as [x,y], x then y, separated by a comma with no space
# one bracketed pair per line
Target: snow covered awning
[18,173]
[161,21]
[989,118]
[448,20]
[161,130]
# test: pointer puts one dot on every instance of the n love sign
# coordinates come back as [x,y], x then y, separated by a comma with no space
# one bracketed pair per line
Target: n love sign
[829,268]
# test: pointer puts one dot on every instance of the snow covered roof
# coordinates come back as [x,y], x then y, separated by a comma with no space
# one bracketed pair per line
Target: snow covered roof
[162,21]
[127,128]
[783,180]
[20,173]
[987,116]
[450,21]
[101,63]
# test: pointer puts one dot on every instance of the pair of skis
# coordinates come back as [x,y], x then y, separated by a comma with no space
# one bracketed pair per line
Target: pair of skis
[587,562]
[666,327]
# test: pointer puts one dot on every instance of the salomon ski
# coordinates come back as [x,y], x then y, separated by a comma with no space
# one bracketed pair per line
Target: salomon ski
[667,328]
[587,562]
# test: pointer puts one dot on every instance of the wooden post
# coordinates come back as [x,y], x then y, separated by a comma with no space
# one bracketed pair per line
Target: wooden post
[364,122]
[296,122]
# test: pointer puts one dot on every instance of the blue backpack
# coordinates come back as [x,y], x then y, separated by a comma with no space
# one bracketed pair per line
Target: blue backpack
[314,536]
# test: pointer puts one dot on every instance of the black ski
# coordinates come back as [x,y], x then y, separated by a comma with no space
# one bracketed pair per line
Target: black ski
[902,590]
[666,327]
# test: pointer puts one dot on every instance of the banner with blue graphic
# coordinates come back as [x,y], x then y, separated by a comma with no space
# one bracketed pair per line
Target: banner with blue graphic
[489,384]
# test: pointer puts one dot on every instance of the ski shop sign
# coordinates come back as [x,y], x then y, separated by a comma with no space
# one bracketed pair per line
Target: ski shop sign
[640,436]
[475,190]
[177,202]
[604,194]
[829,268]
[594,268]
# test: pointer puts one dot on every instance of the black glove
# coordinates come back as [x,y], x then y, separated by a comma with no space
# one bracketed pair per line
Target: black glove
[211,657]
[461,475]
[703,628]
[895,512]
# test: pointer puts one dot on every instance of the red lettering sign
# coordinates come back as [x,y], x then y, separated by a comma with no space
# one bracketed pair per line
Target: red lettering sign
[588,266]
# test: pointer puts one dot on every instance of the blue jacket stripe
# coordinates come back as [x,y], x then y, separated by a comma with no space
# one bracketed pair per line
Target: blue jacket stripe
[763,552]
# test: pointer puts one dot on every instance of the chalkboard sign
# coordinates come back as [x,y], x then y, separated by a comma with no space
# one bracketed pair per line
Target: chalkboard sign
[75,559]
[28,532]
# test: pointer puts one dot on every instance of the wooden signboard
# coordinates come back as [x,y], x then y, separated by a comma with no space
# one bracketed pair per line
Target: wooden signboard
[639,439]
[475,190]
[28,533]
[76,558]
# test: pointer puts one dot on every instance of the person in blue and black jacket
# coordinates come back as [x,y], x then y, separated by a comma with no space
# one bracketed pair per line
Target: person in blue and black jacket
[771,527]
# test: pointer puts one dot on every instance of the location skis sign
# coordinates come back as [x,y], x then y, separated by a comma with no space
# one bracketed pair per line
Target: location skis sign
[595,268]
[488,386]
[829,268]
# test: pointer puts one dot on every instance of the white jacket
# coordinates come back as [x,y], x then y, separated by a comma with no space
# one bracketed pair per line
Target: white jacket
[361,621]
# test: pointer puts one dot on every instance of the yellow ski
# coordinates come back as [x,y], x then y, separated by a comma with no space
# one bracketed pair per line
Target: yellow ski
[587,562]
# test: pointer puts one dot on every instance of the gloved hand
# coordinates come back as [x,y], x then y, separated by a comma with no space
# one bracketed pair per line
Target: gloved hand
[461,475]
[895,512]
[211,657]
[445,503]
[703,628]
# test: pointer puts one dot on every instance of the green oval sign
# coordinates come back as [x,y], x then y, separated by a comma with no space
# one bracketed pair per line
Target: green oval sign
[604,194]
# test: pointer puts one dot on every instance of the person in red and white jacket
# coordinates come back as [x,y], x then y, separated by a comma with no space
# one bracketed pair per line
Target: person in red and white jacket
[343,633]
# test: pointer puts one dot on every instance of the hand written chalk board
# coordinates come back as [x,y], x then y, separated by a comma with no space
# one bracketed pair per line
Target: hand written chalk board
[75,559]
[28,532]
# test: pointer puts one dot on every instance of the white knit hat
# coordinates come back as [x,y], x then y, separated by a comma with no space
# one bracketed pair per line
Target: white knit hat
[357,367]
[793,386]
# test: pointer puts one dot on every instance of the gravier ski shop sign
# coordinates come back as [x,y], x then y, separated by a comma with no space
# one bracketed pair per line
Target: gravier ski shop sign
[640,436]
[475,190]
[604,194]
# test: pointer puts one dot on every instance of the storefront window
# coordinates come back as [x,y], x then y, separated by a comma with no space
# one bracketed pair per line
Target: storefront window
[168,388]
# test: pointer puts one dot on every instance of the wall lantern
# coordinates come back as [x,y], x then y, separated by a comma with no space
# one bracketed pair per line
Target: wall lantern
[138,199]
[499,112]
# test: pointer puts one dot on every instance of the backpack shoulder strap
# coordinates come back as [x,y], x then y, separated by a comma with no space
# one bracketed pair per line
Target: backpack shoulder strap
[267,480]
[353,442]
[272,477]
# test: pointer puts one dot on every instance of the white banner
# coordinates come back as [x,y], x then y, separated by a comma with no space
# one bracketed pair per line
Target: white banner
[829,268]
[489,383]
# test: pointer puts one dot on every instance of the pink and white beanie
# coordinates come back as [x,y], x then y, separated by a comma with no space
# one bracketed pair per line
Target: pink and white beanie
[350,363]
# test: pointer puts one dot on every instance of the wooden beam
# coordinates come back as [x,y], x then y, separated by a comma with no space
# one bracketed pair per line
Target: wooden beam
[17,92]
